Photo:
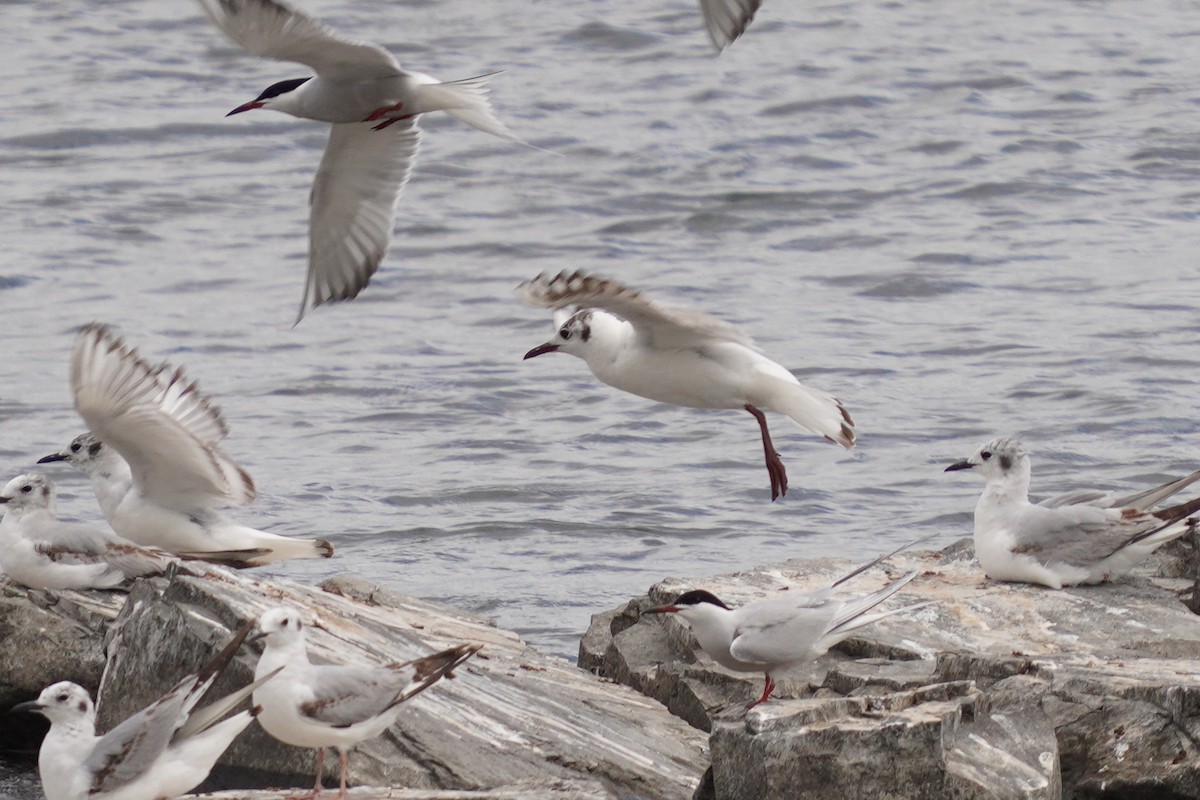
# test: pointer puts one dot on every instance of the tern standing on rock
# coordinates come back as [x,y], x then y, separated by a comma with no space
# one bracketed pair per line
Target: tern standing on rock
[373,106]
[1067,544]
[679,356]
[335,705]
[165,480]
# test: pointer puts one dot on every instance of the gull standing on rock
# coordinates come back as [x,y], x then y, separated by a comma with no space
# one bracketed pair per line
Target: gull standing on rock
[1067,543]
[679,356]
[373,107]
[333,705]
[153,456]
[163,751]
[791,628]
[42,552]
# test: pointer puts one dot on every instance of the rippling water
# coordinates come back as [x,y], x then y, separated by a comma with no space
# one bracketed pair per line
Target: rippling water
[964,219]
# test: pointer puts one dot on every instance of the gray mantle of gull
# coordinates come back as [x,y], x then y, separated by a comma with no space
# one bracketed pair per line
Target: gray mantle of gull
[997,691]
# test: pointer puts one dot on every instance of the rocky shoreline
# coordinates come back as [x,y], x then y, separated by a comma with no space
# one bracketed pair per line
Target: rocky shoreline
[997,691]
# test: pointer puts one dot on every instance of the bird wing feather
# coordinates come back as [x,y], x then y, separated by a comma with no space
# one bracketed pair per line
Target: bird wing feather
[726,20]
[354,199]
[272,30]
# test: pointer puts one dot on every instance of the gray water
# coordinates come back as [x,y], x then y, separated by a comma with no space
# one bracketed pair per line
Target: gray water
[964,219]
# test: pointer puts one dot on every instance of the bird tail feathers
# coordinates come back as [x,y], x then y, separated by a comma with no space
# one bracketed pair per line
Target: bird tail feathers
[815,410]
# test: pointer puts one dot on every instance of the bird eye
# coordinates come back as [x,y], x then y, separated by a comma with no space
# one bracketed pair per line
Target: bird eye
[565,333]
[62,698]
[985,455]
[27,488]
[75,447]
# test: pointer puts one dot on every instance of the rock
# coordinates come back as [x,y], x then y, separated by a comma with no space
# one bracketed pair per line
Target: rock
[998,691]
[511,717]
[45,637]
[526,790]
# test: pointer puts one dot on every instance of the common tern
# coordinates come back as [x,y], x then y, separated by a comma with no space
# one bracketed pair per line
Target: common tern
[726,20]
[791,628]
[175,478]
[332,705]
[373,106]
[42,552]
[679,356]
[1065,544]
[163,751]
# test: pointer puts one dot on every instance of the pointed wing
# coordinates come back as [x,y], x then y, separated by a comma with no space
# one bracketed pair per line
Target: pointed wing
[783,628]
[661,326]
[156,420]
[354,200]
[1078,534]
[129,749]
[272,30]
[346,695]
[70,543]
[726,20]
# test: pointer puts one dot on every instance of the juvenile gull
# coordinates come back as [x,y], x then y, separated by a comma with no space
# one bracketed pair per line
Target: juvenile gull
[154,458]
[332,705]
[784,631]
[361,90]
[163,751]
[1064,544]
[43,552]
[679,356]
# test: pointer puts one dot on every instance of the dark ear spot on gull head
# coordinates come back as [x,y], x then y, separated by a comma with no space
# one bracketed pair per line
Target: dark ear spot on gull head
[1005,462]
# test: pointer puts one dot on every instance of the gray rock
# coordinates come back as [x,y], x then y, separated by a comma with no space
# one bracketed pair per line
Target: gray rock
[581,789]
[511,717]
[998,691]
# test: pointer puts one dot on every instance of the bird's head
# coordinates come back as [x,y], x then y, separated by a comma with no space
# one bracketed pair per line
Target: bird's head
[61,702]
[997,458]
[83,452]
[280,627]
[31,490]
[278,96]
[692,606]
[573,336]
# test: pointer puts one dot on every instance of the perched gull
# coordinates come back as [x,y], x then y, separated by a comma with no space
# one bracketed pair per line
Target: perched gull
[163,751]
[679,356]
[42,552]
[1067,543]
[154,458]
[361,89]
[330,705]
[784,631]
[726,20]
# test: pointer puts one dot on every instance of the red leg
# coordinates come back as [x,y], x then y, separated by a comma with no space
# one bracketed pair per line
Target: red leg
[379,113]
[317,788]
[775,467]
[342,760]
[768,687]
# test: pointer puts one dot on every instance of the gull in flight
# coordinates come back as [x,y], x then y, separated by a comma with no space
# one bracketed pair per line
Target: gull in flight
[163,751]
[373,106]
[1078,538]
[784,631]
[334,705]
[154,458]
[726,20]
[679,356]
[42,552]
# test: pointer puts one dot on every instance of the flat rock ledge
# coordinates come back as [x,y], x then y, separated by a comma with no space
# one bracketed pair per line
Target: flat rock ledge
[513,723]
[997,691]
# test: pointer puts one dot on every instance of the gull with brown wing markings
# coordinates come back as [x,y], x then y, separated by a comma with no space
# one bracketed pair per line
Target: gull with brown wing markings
[176,478]
[679,356]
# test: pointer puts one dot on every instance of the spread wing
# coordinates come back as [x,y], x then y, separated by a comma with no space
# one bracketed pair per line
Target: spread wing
[354,200]
[158,421]
[661,326]
[272,30]
[1140,500]
[131,748]
[726,20]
